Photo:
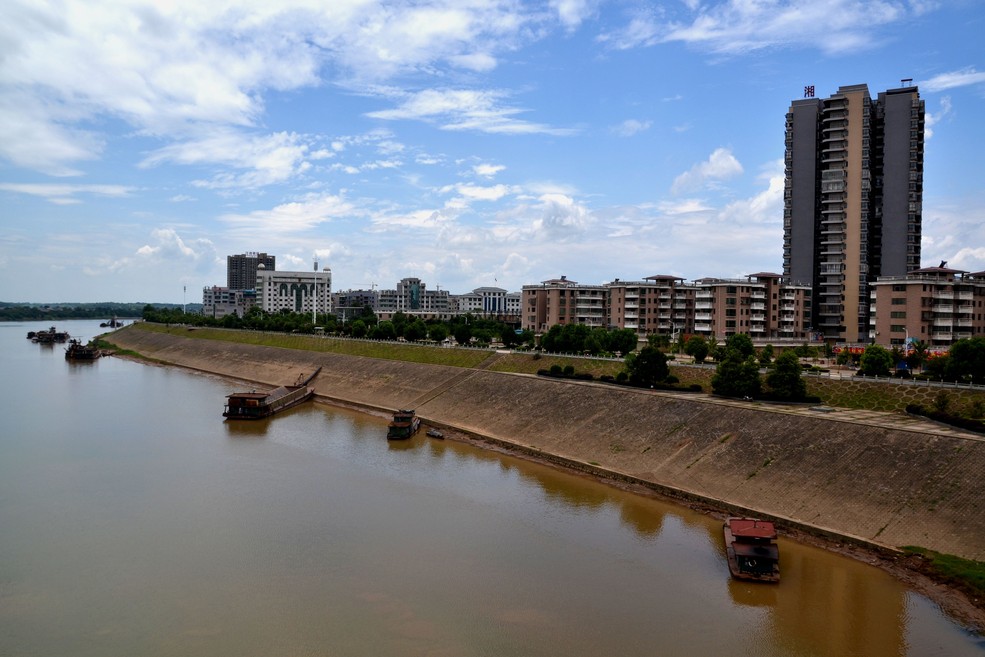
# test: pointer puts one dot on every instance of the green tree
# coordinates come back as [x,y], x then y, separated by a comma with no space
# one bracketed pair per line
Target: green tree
[658,341]
[623,341]
[736,376]
[415,330]
[385,331]
[462,333]
[437,332]
[697,347]
[766,356]
[648,367]
[742,343]
[876,361]
[966,361]
[785,379]
[359,329]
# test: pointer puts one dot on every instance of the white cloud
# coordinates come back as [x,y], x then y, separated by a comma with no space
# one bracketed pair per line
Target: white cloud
[573,13]
[962,78]
[720,165]
[270,158]
[630,127]
[173,70]
[289,218]
[487,170]
[931,119]
[739,26]
[65,194]
[465,109]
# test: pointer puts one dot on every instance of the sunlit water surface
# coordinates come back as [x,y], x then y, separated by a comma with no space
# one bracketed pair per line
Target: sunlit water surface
[134,521]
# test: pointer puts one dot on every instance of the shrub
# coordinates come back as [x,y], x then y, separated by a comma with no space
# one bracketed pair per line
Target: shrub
[585,376]
[621,377]
[556,370]
[569,370]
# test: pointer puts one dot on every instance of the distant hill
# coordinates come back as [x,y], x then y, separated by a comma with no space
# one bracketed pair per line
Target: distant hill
[103,310]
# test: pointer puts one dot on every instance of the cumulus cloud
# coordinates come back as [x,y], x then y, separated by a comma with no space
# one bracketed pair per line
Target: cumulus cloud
[171,70]
[720,165]
[487,170]
[269,158]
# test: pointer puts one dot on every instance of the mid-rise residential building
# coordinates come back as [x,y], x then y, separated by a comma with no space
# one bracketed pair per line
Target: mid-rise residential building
[217,302]
[560,301]
[935,305]
[657,304]
[241,270]
[763,305]
[852,199]
[297,291]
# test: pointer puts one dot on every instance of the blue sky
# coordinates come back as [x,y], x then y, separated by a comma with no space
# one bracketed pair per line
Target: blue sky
[464,142]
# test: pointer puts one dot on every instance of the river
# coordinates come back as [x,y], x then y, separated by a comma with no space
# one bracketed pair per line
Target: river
[134,521]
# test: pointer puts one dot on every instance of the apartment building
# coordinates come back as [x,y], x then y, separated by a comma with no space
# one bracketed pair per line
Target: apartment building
[241,270]
[489,302]
[935,305]
[657,304]
[852,199]
[763,305]
[560,301]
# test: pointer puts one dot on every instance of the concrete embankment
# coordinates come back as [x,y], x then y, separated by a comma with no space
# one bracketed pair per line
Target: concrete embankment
[883,485]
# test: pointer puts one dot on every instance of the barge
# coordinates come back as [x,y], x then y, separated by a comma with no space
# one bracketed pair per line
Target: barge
[78,351]
[255,405]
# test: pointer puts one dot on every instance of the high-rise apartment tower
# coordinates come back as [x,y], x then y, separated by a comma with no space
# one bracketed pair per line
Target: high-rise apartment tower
[241,270]
[852,199]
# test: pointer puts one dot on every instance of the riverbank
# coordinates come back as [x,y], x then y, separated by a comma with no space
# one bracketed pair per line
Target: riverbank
[862,486]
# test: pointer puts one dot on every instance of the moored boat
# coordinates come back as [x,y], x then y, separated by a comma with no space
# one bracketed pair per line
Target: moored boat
[404,424]
[50,336]
[751,550]
[255,405]
[78,351]
[435,433]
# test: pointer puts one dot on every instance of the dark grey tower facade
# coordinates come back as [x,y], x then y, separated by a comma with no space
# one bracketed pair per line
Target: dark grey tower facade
[241,270]
[852,200]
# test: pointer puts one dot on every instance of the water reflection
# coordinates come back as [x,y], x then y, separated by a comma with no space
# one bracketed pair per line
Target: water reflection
[137,530]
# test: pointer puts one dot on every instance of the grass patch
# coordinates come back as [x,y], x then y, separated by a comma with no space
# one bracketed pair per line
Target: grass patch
[370,349]
[964,573]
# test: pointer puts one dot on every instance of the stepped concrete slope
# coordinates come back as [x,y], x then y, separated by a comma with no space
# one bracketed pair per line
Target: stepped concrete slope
[885,485]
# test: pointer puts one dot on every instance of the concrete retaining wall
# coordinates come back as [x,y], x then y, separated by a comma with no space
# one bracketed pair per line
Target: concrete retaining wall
[887,486]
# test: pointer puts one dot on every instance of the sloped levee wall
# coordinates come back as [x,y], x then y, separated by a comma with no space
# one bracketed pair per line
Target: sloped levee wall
[887,486]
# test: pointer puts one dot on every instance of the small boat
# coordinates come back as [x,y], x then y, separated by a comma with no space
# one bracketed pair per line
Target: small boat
[750,546]
[403,425]
[78,351]
[434,433]
[255,405]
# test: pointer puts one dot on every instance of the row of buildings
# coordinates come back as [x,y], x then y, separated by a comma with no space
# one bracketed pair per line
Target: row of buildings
[253,280]
[852,222]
